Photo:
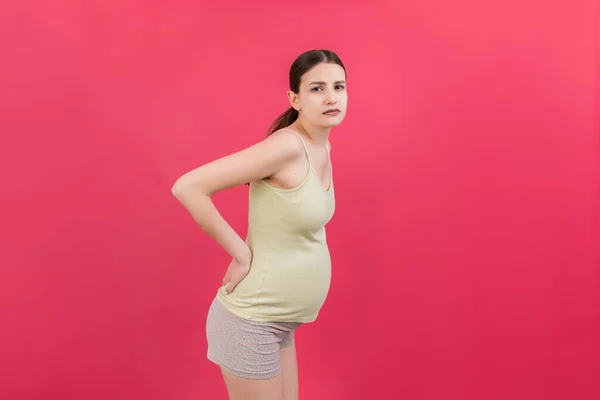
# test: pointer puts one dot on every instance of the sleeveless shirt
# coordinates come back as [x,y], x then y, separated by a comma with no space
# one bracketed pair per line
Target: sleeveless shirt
[290,271]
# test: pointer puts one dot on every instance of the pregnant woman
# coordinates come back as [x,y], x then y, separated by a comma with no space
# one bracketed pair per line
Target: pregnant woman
[279,275]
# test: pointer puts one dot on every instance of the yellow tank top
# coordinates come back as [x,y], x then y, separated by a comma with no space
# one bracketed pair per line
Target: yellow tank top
[290,272]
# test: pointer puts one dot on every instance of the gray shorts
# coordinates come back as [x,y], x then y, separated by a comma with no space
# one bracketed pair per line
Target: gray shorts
[247,349]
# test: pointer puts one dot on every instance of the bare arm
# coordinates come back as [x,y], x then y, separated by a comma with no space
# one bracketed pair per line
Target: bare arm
[259,161]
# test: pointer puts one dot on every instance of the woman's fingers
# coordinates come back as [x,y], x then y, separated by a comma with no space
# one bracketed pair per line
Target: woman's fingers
[232,283]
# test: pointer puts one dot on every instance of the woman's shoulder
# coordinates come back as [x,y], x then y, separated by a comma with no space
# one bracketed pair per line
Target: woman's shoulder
[288,139]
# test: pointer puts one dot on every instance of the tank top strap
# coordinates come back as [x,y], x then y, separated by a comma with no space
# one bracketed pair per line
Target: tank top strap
[305,147]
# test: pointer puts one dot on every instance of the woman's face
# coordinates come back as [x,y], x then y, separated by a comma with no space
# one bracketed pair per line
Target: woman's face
[322,98]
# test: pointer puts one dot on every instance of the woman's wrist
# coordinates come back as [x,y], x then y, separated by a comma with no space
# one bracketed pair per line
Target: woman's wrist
[243,255]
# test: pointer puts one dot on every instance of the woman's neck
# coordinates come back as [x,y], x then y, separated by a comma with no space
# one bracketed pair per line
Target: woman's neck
[317,135]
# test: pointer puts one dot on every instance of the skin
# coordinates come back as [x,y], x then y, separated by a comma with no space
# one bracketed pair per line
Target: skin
[281,161]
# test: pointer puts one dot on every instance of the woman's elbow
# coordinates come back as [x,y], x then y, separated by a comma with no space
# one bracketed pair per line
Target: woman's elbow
[179,187]
[185,186]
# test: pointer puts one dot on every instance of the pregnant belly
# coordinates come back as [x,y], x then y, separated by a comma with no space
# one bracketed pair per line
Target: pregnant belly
[284,289]
[302,287]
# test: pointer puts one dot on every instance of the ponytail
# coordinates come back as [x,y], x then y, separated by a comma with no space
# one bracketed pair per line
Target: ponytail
[284,120]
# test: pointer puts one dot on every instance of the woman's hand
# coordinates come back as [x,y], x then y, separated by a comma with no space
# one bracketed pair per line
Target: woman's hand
[235,273]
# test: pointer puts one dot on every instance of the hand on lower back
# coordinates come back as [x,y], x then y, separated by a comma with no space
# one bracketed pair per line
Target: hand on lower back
[234,275]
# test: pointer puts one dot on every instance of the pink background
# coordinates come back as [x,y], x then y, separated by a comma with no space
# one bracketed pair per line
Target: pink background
[466,240]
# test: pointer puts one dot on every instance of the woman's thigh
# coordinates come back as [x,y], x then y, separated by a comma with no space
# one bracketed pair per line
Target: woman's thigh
[253,389]
[282,387]
[256,359]
[289,372]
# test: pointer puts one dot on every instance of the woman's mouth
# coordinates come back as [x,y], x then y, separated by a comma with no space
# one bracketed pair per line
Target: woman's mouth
[332,112]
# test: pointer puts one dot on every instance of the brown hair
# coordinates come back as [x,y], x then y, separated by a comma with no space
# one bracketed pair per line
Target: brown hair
[303,63]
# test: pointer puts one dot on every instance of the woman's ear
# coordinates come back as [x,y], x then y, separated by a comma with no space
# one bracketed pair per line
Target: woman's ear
[293,98]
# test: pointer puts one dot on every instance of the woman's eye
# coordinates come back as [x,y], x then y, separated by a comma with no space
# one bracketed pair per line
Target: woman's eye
[337,87]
